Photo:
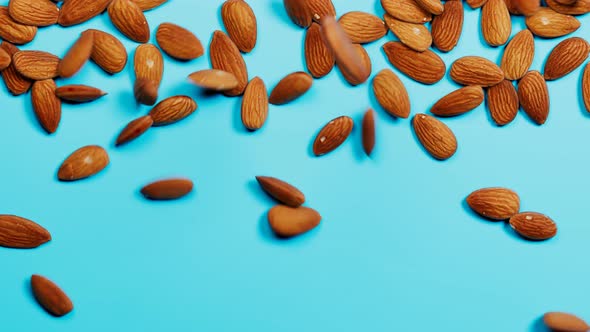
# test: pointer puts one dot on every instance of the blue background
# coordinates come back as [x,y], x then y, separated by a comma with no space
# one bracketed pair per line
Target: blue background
[397,249]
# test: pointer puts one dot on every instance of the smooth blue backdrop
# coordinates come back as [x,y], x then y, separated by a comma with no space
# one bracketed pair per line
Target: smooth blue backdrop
[397,249]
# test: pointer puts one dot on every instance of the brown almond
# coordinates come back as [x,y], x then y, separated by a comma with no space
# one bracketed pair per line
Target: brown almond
[503,102]
[527,7]
[496,24]
[424,67]
[476,3]
[214,80]
[128,18]
[366,63]
[74,12]
[369,132]
[578,7]
[362,27]
[134,129]
[436,138]
[414,35]
[391,94]
[240,23]
[475,70]
[14,32]
[179,42]
[255,104]
[287,222]
[446,28]
[167,189]
[46,105]
[566,57]
[226,56]
[148,63]
[108,52]
[533,226]
[5,59]
[290,88]
[567,2]
[518,55]
[534,96]
[16,83]
[78,93]
[303,12]
[36,65]
[33,12]
[561,321]
[511,5]
[318,57]
[173,109]
[435,7]
[332,135]
[459,101]
[406,10]
[548,23]
[282,191]
[77,56]
[82,163]
[50,296]
[494,203]
[146,5]
[586,87]
[21,233]
[145,91]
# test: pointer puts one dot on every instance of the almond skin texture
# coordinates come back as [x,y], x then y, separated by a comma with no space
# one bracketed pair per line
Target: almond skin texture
[406,10]
[77,56]
[82,163]
[33,12]
[281,191]
[5,59]
[424,67]
[503,102]
[50,296]
[172,110]
[303,12]
[369,132]
[586,87]
[14,32]
[178,42]
[362,27]
[79,93]
[578,7]
[108,52]
[134,129]
[391,94]
[459,101]
[74,12]
[549,24]
[564,322]
[414,35]
[566,57]
[148,63]
[290,88]
[226,56]
[318,57]
[446,28]
[36,65]
[46,105]
[16,83]
[287,222]
[255,104]
[128,18]
[533,226]
[436,138]
[475,70]
[494,203]
[435,7]
[240,23]
[527,7]
[518,55]
[332,135]
[169,189]
[21,233]
[534,96]
[496,24]
[366,63]
[214,80]
[476,3]
[146,91]
[146,5]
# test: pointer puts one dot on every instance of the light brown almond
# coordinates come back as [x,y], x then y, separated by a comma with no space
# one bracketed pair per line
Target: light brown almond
[108,52]
[534,96]
[527,7]
[21,233]
[414,35]
[145,91]
[561,321]
[33,12]
[134,129]
[128,18]
[226,56]
[566,57]
[366,63]
[533,226]
[549,24]
[50,296]
[362,27]
[255,104]
[435,7]
[391,94]
[369,132]
[406,10]
[36,65]
[79,93]
[436,138]
[459,101]
[282,191]
[14,32]
[303,12]
[332,135]
[425,67]
[82,163]
[447,27]
[318,57]
[16,83]
[74,12]
[503,102]
[288,222]
[240,23]
[173,109]
[146,5]
[475,70]
[77,56]
[214,80]
[179,42]
[167,189]
[494,203]
[149,63]
[586,87]
[290,88]
[518,55]
[5,59]
[496,24]
[46,105]
[579,7]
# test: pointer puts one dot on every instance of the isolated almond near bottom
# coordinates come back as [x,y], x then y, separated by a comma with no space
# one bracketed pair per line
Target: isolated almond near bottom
[436,138]
[565,322]
[50,296]
[282,191]
[82,163]
[287,222]
[173,109]
[167,189]
[21,233]
[494,203]
[533,226]
[332,135]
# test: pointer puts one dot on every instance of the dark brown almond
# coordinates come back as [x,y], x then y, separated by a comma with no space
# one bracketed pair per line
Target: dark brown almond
[533,226]
[287,222]
[79,93]
[134,129]
[414,35]
[303,12]
[548,23]
[179,42]
[77,56]
[36,65]
[226,56]
[494,203]
[74,12]
[146,5]
[446,28]
[391,94]
[518,55]
[167,189]
[578,7]
[332,135]
[424,67]
[362,27]
[476,3]
[240,23]
[459,101]
[366,63]
[369,132]
[566,57]
[586,87]
[108,52]
[436,138]
[50,296]
[82,163]
[128,18]
[16,83]
[534,96]
[145,91]
[503,102]
[33,12]
[475,70]
[526,7]
[564,322]
[406,10]
[21,233]
[255,104]
[5,59]
[14,32]
[46,105]
[282,191]
[214,80]
[173,109]
[290,88]
[318,57]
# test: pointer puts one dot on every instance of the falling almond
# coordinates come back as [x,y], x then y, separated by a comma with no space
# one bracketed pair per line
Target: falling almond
[134,129]
[172,110]
[214,80]
[240,23]
[128,18]
[290,88]
[391,94]
[365,62]
[369,132]
[332,135]
[179,42]
[145,91]
[77,56]
[226,56]
[21,233]
[79,93]
[436,138]
[288,222]
[82,163]
[168,189]
[255,104]
[50,296]
[282,191]
[46,104]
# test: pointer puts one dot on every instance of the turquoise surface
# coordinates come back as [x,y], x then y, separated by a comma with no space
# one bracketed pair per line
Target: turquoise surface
[397,249]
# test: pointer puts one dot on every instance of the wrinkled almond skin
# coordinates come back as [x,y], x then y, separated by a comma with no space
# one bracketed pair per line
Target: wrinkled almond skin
[318,57]
[533,226]
[414,35]
[303,12]
[33,12]
[77,56]
[436,138]
[332,135]
[518,55]
[446,28]
[128,18]
[564,322]
[108,52]
[406,10]
[366,63]
[21,233]
[475,70]
[226,56]
[534,96]
[578,7]
[14,32]
[496,24]
[82,163]
[167,189]
[214,80]
[459,101]
[146,5]
[476,3]
[287,222]
[240,23]
[50,296]
[527,7]
[368,132]
[391,94]
[148,63]
[566,57]
[282,191]
[435,7]
[290,88]
[46,104]
[494,203]
[145,91]
[424,67]
[503,102]
[5,59]
[134,129]
[16,83]
[586,87]
[78,93]
[362,27]
[255,104]
[74,12]
[172,110]
[549,24]
[179,42]
[36,65]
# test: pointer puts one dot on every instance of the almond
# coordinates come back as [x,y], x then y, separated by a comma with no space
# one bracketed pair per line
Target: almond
[288,222]
[475,70]
[510,4]
[79,93]
[527,7]
[549,24]
[518,55]
[303,12]
[290,88]
[566,2]
[496,24]
[561,321]
[578,7]
[332,135]
[362,27]
[533,226]
[586,87]
[167,189]
[46,105]
[447,27]
[178,42]
[128,18]
[14,81]
[476,3]
[21,233]
[459,101]
[366,63]
[534,96]
[282,191]
[436,138]
[566,57]
[435,7]
[406,10]
[391,94]
[146,5]
[14,32]
[318,57]
[134,129]
[172,110]
[77,56]
[214,80]
[145,91]
[503,102]
[255,104]
[50,296]
[226,56]
[425,67]
[240,23]
[74,12]
[414,35]
[108,52]
[149,63]
[369,132]
[5,59]
[36,65]
[33,12]
[82,163]
[494,203]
